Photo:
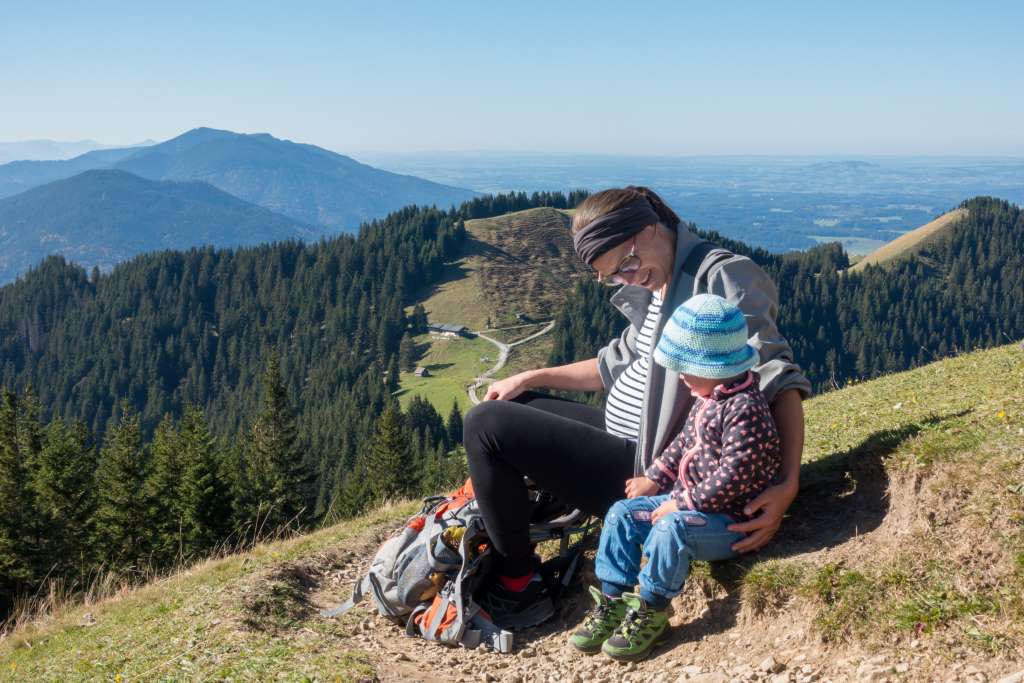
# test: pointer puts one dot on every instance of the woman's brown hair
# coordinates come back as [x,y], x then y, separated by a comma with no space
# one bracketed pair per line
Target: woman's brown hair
[606,201]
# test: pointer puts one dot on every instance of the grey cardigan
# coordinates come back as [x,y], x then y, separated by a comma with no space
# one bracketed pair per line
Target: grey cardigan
[667,400]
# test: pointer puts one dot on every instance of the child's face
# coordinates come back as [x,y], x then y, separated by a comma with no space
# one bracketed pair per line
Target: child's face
[701,386]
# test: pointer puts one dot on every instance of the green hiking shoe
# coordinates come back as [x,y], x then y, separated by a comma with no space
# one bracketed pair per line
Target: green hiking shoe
[599,624]
[641,629]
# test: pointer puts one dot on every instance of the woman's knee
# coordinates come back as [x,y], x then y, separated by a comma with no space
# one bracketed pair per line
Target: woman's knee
[482,426]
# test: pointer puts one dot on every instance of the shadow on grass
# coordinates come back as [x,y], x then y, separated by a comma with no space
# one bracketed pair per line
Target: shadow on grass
[846,493]
[438,366]
[841,495]
[283,599]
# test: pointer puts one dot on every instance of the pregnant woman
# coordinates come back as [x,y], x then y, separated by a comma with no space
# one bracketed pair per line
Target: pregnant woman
[583,455]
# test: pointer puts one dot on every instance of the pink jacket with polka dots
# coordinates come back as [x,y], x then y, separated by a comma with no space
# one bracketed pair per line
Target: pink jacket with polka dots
[728,452]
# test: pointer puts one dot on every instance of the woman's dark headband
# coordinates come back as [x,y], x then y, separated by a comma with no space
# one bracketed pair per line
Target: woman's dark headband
[612,229]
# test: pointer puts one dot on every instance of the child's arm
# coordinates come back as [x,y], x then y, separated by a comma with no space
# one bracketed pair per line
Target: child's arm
[663,471]
[749,461]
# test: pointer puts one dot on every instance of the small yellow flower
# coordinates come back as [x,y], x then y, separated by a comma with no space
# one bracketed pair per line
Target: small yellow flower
[1001,414]
[118,678]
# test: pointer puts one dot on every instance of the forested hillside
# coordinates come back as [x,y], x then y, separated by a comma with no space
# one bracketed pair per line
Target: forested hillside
[217,394]
[191,397]
[962,291]
[100,218]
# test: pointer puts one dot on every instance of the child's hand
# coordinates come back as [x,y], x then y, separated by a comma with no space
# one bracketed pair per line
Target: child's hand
[666,508]
[640,486]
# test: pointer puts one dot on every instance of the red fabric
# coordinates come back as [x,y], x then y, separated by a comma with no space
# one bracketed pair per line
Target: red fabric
[457,499]
[516,584]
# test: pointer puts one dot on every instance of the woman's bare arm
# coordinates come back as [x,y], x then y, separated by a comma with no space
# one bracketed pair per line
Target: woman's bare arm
[579,376]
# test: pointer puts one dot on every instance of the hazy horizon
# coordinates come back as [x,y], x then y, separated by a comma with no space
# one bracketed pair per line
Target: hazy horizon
[572,78]
[506,153]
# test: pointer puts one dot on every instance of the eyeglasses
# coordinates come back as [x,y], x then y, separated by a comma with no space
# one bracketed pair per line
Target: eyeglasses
[629,264]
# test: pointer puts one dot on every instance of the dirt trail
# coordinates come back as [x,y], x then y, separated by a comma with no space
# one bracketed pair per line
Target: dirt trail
[503,351]
[712,641]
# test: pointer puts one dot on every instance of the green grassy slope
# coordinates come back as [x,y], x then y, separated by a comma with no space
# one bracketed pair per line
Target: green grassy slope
[909,527]
[489,280]
[453,364]
[222,619]
[519,263]
[910,242]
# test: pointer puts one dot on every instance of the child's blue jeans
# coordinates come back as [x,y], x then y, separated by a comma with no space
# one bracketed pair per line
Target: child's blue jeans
[670,545]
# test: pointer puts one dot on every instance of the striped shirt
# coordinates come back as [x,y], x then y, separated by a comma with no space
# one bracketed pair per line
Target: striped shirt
[626,397]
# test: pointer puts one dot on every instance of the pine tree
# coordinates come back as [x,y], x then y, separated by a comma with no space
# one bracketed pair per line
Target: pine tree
[356,490]
[236,472]
[66,498]
[407,353]
[167,467]
[392,377]
[205,497]
[455,424]
[277,473]
[30,429]
[17,546]
[388,469]
[419,319]
[30,444]
[123,504]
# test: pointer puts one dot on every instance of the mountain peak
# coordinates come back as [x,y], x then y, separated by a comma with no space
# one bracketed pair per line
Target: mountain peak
[304,182]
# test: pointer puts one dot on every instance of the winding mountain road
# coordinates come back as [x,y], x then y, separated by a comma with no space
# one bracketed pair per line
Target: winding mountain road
[503,351]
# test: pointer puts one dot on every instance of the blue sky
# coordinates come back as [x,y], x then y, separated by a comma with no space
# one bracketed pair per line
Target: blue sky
[593,77]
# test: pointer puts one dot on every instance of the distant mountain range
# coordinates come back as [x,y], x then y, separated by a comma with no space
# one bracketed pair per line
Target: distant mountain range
[304,182]
[203,187]
[102,217]
[19,176]
[39,150]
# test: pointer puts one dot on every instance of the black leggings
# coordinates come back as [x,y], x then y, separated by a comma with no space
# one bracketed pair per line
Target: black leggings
[561,445]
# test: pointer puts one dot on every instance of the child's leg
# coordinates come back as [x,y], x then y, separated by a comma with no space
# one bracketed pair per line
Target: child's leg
[625,530]
[675,541]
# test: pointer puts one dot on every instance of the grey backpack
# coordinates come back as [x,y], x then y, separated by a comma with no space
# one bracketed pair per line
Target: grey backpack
[424,577]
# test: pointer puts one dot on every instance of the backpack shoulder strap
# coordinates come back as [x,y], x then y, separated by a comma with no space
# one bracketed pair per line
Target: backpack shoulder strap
[698,265]
[697,254]
[357,596]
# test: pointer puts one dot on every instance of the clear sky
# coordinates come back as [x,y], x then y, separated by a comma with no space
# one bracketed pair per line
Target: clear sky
[602,77]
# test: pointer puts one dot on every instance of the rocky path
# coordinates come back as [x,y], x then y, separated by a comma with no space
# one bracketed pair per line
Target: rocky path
[710,642]
[503,351]
[754,656]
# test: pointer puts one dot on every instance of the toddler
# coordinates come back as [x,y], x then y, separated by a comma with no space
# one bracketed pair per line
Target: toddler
[727,453]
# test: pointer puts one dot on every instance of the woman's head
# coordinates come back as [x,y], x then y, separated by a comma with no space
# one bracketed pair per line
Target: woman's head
[628,235]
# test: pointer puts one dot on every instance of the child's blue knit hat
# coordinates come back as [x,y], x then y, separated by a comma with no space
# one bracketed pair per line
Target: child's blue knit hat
[706,337]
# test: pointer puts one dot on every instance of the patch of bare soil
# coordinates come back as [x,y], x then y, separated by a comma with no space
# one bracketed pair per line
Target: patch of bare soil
[845,514]
[713,640]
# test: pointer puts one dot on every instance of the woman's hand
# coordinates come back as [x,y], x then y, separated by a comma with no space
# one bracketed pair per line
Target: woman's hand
[640,486]
[666,508]
[788,412]
[773,503]
[582,375]
[508,388]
